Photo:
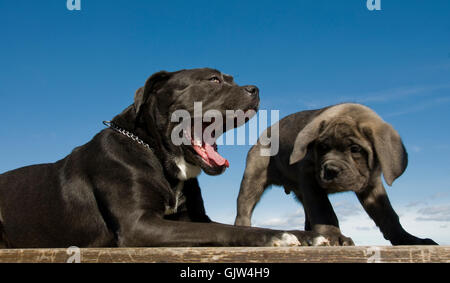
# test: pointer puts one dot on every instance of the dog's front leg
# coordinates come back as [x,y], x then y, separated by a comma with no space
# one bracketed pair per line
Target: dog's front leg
[320,214]
[376,203]
[194,202]
[153,231]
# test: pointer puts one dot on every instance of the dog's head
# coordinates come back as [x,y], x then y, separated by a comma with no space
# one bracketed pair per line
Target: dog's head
[350,145]
[166,95]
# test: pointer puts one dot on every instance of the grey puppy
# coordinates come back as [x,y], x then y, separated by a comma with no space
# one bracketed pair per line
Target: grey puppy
[345,147]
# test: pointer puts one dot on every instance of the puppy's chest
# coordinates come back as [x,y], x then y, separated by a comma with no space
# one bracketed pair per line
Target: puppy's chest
[178,203]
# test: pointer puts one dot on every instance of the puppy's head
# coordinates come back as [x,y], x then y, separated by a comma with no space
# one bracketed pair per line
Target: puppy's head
[350,145]
[341,156]
[198,100]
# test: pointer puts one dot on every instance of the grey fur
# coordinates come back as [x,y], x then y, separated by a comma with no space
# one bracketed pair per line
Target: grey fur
[345,147]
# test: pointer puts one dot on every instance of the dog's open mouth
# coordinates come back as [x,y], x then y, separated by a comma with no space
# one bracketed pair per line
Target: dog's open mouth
[204,142]
[207,149]
[210,155]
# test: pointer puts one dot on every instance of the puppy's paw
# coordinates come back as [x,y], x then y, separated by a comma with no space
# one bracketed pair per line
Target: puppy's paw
[429,242]
[412,240]
[285,240]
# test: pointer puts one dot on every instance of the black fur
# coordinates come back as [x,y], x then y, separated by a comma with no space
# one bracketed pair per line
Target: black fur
[113,191]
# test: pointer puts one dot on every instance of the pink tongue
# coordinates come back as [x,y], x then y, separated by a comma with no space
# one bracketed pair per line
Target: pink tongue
[214,156]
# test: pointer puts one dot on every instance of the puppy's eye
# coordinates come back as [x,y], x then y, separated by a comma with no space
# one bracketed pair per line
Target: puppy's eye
[215,80]
[323,147]
[355,148]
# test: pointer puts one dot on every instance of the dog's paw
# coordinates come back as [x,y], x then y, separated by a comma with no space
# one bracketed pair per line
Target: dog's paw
[333,235]
[320,241]
[285,240]
[335,239]
[310,238]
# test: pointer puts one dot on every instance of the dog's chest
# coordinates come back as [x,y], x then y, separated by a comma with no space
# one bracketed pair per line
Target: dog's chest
[180,199]
[186,170]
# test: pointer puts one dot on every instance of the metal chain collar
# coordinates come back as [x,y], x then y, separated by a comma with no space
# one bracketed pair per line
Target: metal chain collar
[126,133]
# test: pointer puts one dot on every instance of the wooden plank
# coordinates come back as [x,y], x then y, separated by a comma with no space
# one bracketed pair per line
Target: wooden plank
[401,254]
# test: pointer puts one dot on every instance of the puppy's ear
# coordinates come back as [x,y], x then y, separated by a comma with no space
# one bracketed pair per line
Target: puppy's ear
[151,86]
[306,136]
[389,148]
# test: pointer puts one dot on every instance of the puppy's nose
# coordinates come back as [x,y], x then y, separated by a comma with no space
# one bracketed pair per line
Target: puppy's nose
[330,172]
[252,90]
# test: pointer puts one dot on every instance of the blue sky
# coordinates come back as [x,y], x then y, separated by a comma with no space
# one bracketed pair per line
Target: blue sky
[63,72]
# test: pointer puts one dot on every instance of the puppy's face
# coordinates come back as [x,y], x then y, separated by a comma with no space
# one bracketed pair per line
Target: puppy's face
[199,92]
[351,147]
[341,158]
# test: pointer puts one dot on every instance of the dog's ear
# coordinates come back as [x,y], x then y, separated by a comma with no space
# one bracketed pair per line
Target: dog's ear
[139,99]
[306,136]
[389,148]
[151,86]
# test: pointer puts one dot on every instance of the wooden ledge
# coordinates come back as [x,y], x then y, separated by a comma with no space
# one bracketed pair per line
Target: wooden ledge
[408,254]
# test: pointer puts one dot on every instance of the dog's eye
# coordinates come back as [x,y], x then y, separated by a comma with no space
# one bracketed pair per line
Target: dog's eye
[215,80]
[355,148]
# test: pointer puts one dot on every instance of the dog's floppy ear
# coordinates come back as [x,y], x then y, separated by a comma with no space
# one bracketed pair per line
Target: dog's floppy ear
[139,99]
[307,135]
[151,85]
[389,148]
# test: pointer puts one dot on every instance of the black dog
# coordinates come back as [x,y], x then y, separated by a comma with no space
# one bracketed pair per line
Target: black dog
[340,148]
[130,185]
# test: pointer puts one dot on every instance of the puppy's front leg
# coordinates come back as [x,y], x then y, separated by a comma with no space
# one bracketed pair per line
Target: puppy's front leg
[154,231]
[376,203]
[320,214]
[253,185]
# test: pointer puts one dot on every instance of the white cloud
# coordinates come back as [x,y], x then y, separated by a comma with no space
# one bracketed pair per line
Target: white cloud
[344,209]
[439,213]
[383,96]
[284,222]
[418,107]
[415,204]
[439,195]
[416,218]
[278,211]
[415,148]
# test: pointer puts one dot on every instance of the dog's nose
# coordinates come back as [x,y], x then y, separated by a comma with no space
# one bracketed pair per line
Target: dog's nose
[252,90]
[330,172]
